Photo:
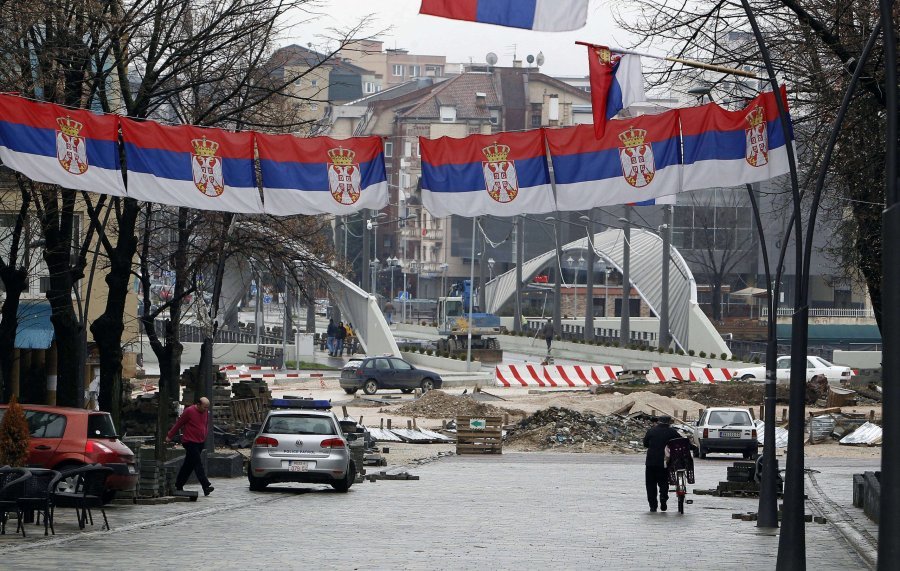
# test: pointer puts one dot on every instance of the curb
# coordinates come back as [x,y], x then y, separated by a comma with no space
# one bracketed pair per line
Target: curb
[843,523]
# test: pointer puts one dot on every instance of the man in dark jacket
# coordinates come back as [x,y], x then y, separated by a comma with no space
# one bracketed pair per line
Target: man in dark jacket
[548,332]
[656,475]
[330,334]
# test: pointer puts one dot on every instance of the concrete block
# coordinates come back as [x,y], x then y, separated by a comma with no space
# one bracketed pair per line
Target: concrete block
[225,465]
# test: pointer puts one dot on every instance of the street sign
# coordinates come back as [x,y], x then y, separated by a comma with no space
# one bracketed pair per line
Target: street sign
[267,299]
[477,423]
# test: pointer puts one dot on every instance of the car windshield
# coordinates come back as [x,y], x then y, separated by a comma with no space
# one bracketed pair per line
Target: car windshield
[101,426]
[728,418]
[299,424]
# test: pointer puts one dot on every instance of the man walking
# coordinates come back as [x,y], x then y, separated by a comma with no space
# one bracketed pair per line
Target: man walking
[340,334]
[548,332]
[656,475]
[330,333]
[193,424]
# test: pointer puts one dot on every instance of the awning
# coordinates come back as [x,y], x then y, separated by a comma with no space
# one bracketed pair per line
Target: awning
[34,330]
[836,333]
[749,292]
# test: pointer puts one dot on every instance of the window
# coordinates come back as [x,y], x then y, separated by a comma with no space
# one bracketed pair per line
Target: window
[45,424]
[314,83]
[407,148]
[448,114]
[398,70]
[369,87]
[414,71]
[44,285]
[100,426]
[495,116]
[382,364]
[535,120]
[400,365]
[388,149]
[435,70]
[299,424]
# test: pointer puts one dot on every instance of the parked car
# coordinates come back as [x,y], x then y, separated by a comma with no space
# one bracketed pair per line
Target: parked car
[301,445]
[373,373]
[814,366]
[725,429]
[63,438]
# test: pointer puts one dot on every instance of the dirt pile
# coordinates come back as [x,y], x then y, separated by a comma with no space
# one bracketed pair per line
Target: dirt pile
[571,430]
[438,404]
[720,394]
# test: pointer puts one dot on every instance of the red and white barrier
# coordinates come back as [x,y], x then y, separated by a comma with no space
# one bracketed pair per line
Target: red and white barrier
[702,375]
[552,376]
[247,368]
[279,375]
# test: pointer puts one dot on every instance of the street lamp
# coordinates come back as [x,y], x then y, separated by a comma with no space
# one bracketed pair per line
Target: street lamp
[392,262]
[490,268]
[373,266]
[443,267]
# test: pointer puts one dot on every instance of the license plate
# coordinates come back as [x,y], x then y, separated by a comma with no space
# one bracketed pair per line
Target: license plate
[299,467]
[729,434]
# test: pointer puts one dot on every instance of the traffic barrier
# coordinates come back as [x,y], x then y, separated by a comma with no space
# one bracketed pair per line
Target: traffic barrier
[246,368]
[553,376]
[704,375]
[278,375]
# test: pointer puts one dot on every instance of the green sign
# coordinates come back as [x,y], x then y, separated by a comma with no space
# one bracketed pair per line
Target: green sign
[477,423]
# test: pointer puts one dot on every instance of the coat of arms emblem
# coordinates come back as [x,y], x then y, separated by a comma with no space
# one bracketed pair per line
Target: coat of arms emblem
[207,167]
[500,178]
[757,138]
[344,178]
[638,166]
[71,149]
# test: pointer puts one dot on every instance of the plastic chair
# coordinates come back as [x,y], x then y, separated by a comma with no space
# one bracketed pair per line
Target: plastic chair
[12,487]
[38,496]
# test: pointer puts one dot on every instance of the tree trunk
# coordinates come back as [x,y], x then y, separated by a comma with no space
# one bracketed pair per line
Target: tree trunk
[15,282]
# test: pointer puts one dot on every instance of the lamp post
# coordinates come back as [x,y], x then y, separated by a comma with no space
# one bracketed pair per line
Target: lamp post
[589,281]
[625,325]
[392,262]
[373,266]
[570,261]
[444,267]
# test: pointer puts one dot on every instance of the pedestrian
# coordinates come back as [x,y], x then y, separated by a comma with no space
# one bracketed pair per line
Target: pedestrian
[389,312]
[340,334]
[350,341]
[655,473]
[193,424]
[547,331]
[330,333]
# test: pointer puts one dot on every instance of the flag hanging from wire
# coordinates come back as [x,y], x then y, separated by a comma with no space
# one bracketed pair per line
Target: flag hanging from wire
[537,15]
[616,83]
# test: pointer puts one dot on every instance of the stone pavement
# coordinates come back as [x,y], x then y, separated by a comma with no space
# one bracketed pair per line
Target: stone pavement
[515,511]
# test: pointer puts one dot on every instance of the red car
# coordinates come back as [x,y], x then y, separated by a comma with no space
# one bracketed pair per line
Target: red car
[64,438]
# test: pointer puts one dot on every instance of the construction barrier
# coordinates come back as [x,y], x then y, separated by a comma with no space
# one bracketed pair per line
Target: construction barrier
[552,376]
[705,375]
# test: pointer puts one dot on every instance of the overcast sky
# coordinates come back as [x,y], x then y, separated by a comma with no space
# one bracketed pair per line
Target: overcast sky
[464,41]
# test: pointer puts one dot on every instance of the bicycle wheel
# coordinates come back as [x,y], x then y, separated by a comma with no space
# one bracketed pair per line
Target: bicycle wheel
[681,504]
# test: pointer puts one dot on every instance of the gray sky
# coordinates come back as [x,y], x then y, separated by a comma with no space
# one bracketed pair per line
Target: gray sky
[464,41]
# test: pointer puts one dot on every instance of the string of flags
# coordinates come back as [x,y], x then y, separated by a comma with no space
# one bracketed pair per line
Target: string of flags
[636,161]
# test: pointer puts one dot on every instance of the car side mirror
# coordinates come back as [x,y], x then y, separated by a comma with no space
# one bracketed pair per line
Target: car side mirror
[697,423]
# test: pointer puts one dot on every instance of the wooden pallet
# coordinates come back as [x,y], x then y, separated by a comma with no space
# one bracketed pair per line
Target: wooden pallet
[479,435]
[249,411]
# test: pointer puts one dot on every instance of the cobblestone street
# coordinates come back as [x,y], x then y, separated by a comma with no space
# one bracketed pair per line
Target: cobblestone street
[516,511]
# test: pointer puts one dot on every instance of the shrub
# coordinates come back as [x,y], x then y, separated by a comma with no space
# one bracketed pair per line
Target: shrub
[724,356]
[681,351]
[615,343]
[702,354]
[661,350]
[671,350]
[429,352]
[691,352]
[421,350]
[756,360]
[14,435]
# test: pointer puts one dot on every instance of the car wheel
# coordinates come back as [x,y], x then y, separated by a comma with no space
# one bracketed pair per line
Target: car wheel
[406,391]
[370,387]
[748,378]
[344,484]
[256,484]
[427,385]
[350,391]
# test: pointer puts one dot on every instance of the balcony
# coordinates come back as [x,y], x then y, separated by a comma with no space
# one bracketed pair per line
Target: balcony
[424,234]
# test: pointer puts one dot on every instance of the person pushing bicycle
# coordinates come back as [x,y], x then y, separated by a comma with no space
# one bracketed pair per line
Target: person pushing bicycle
[655,473]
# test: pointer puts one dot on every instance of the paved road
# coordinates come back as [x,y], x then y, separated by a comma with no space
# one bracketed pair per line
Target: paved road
[516,511]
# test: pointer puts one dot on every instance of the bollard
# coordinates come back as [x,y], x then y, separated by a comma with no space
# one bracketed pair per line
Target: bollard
[344,411]
[382,424]
[389,424]
[409,424]
[684,416]
[762,409]
[506,418]
[784,415]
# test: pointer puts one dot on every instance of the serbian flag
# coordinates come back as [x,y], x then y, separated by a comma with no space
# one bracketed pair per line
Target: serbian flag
[616,82]
[73,148]
[636,160]
[321,175]
[731,148]
[538,15]
[504,174]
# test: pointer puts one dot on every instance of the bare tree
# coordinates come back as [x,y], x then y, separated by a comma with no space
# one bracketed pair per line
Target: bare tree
[815,45]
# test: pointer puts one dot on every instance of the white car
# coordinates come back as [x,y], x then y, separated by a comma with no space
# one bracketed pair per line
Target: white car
[814,366]
[725,429]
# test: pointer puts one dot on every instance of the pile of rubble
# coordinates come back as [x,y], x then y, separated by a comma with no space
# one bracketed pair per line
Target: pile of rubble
[565,428]
[438,404]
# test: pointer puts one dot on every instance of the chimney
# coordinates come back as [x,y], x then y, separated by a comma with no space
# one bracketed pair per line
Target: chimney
[480,99]
[517,63]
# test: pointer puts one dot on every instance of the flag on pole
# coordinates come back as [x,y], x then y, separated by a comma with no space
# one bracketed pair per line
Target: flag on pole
[504,174]
[73,148]
[636,160]
[195,167]
[731,148]
[322,175]
[616,82]
[538,15]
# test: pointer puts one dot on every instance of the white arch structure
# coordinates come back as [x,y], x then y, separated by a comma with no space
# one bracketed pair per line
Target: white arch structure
[688,325]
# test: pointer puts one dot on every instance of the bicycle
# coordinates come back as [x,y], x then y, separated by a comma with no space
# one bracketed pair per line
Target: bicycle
[680,465]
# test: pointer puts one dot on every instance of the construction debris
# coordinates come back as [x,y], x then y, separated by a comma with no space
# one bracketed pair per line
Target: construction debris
[866,435]
[438,404]
[565,428]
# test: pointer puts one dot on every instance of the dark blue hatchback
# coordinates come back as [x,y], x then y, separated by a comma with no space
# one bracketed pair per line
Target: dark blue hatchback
[373,373]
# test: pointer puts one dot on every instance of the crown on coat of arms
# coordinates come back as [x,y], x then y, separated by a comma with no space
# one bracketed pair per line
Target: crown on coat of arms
[69,126]
[496,153]
[204,147]
[341,156]
[604,54]
[633,137]
[756,117]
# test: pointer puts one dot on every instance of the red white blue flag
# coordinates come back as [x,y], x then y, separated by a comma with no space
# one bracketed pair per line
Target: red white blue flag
[538,15]
[321,175]
[504,174]
[636,160]
[730,148]
[616,83]
[195,167]
[73,148]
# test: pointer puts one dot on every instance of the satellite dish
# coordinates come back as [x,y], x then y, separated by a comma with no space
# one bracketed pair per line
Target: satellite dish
[491,58]
[540,58]
[530,59]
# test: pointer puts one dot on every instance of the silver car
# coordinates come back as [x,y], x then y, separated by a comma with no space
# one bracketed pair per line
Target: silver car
[301,445]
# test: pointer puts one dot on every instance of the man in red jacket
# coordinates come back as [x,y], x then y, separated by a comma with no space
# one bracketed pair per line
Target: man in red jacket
[193,424]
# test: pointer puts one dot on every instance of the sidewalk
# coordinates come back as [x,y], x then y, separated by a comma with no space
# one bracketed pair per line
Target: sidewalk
[515,511]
